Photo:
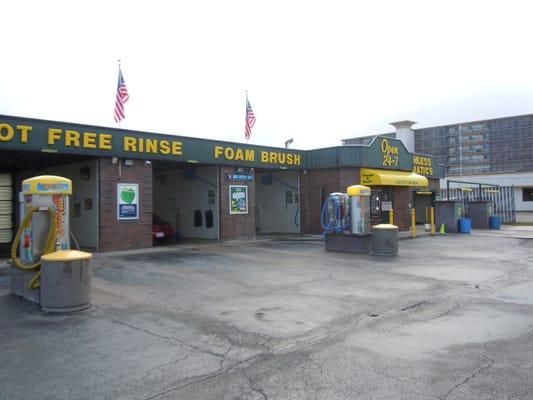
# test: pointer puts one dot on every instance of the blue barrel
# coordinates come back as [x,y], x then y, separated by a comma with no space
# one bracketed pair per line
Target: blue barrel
[495,222]
[465,225]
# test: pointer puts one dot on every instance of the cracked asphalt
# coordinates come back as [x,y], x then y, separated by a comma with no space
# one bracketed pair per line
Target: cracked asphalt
[450,318]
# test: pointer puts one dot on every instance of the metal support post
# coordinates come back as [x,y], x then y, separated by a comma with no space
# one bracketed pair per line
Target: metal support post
[413,222]
[432,214]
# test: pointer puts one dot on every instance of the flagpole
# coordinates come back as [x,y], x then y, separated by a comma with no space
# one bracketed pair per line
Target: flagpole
[246,107]
[118,159]
[119,75]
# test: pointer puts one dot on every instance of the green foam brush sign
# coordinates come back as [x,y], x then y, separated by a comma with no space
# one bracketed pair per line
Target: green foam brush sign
[127,201]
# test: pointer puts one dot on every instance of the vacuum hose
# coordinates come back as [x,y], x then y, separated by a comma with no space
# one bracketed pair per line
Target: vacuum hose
[49,245]
[329,222]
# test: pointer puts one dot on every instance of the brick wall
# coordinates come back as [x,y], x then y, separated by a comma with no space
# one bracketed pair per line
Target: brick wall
[311,182]
[118,234]
[402,197]
[434,185]
[349,177]
[337,180]
[236,226]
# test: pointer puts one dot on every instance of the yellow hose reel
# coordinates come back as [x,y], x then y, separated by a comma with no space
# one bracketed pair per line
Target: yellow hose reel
[49,246]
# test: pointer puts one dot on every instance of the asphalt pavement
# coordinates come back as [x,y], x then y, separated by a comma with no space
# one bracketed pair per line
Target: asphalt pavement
[451,317]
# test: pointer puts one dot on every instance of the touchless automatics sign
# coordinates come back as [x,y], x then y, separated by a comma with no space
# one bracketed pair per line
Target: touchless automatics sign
[127,201]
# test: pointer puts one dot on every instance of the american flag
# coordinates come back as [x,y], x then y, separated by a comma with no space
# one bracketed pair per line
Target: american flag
[250,120]
[122,97]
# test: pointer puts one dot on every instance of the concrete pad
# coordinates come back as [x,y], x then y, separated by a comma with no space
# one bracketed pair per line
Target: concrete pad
[478,323]
[518,294]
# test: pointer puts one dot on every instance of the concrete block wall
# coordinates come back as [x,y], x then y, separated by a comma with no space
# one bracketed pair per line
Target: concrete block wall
[118,234]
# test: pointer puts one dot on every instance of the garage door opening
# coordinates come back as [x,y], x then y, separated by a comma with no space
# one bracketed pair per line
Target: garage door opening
[185,203]
[277,202]
[83,206]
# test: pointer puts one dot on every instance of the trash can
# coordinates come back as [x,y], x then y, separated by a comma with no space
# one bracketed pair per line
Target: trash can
[66,281]
[384,240]
[465,225]
[494,222]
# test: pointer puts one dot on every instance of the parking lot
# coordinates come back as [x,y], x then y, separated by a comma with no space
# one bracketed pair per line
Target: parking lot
[451,317]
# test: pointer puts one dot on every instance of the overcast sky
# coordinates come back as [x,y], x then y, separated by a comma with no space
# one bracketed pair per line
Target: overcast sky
[316,71]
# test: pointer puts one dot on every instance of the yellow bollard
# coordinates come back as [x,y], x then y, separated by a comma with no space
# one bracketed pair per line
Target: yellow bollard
[391,216]
[432,215]
[413,222]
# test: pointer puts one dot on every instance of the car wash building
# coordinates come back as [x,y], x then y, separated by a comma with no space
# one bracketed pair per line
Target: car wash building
[126,183]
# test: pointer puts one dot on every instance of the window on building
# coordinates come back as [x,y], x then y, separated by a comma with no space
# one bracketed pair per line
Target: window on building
[527,194]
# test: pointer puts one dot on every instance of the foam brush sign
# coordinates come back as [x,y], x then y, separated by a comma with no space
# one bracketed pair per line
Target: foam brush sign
[128,201]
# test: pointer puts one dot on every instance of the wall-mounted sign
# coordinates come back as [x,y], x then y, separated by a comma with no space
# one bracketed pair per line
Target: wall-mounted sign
[239,177]
[386,205]
[25,134]
[390,154]
[62,137]
[211,197]
[238,199]
[127,201]
[423,165]
[288,197]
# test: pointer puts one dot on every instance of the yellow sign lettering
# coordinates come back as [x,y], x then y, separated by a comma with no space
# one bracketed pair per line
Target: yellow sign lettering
[229,154]
[130,144]
[391,154]
[89,140]
[423,165]
[249,155]
[54,134]
[72,138]
[164,147]
[104,141]
[151,146]
[24,130]
[177,148]
[239,155]
[297,159]
[6,133]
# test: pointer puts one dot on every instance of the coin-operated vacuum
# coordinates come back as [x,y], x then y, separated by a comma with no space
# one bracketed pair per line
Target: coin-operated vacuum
[335,215]
[44,228]
[346,221]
